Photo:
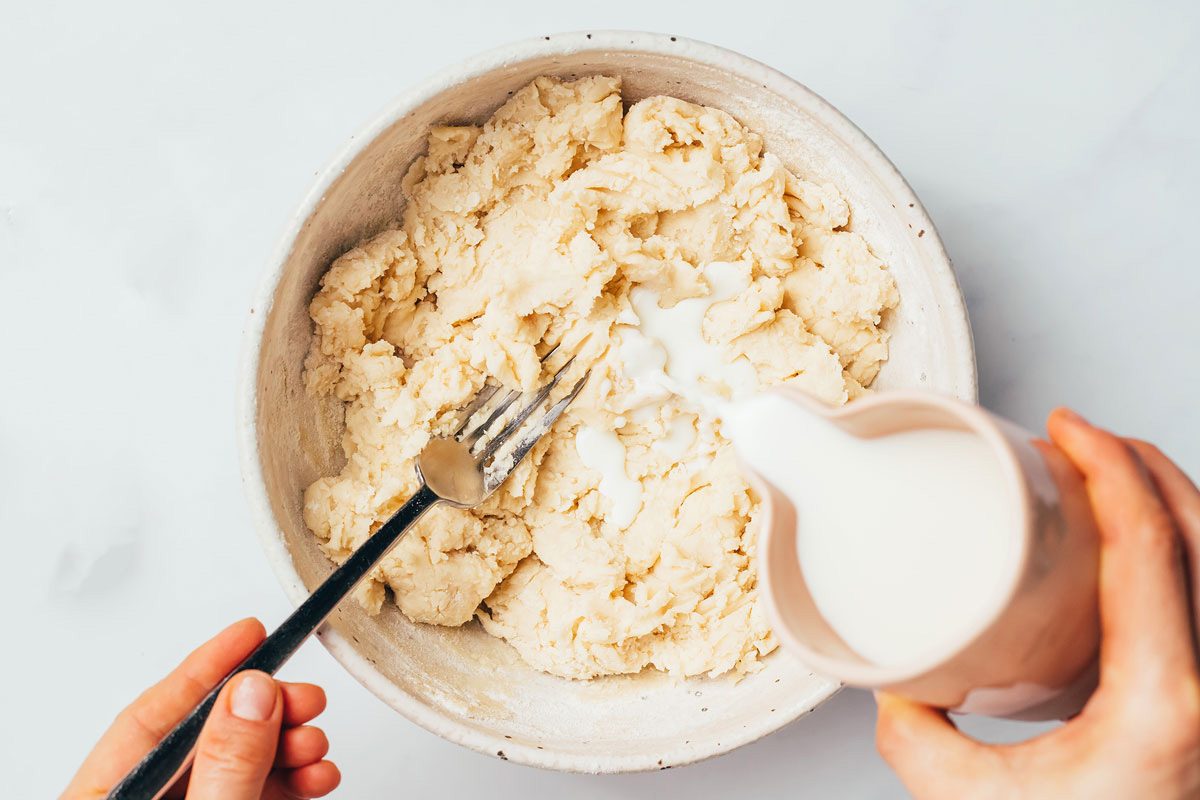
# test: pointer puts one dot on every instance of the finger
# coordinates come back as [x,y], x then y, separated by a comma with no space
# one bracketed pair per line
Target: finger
[302,702]
[237,746]
[926,750]
[1144,616]
[299,747]
[315,780]
[1182,499]
[143,724]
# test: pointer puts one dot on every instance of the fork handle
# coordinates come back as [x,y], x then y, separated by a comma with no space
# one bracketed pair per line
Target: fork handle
[155,773]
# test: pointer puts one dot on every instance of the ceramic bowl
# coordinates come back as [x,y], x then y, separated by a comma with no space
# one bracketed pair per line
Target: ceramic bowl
[461,683]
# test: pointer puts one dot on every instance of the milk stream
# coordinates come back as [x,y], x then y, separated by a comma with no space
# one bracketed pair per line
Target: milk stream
[904,541]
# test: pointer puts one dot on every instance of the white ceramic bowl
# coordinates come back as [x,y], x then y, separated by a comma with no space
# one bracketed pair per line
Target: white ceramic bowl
[461,683]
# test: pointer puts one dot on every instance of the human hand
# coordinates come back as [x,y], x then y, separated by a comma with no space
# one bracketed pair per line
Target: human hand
[254,745]
[1139,734]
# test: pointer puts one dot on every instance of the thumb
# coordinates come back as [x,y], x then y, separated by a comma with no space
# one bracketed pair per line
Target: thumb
[237,746]
[928,753]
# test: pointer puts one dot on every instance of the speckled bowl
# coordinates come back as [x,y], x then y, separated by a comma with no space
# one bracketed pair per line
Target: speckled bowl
[461,683]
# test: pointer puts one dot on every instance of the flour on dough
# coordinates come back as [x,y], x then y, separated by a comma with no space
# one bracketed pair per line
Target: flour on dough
[533,230]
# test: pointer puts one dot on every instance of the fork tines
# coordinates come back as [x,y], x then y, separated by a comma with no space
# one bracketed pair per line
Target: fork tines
[501,465]
[500,412]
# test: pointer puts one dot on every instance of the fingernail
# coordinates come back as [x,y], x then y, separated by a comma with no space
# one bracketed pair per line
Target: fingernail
[1073,416]
[254,697]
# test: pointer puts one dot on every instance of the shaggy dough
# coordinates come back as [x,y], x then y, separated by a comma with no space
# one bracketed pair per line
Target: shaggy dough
[533,230]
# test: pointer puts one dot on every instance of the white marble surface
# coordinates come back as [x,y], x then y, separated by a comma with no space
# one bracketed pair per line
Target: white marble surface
[150,153]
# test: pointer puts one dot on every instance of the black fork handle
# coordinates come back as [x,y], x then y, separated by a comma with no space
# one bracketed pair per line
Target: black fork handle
[155,773]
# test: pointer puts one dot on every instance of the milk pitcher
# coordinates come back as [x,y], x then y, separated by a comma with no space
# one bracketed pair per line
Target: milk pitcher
[1031,656]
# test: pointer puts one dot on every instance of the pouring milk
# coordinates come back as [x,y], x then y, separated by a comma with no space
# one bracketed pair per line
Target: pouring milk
[903,540]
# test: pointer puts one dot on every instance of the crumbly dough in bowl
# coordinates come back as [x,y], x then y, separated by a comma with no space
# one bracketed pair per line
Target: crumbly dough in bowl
[626,539]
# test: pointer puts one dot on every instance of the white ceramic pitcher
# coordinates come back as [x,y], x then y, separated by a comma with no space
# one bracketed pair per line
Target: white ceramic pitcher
[1033,656]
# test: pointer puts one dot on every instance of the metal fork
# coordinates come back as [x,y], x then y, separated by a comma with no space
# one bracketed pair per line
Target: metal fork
[460,470]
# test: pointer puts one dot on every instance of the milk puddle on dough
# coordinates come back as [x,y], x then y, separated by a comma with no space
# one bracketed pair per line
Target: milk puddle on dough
[664,352]
[904,540]
[602,451]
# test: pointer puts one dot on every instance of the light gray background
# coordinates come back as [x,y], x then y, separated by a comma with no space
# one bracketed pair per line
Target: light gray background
[151,153]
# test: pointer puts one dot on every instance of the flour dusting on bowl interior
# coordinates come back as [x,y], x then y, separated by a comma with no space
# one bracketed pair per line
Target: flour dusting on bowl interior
[679,262]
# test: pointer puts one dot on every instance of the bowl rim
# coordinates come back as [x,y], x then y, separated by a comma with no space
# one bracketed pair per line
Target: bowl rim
[269,534]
